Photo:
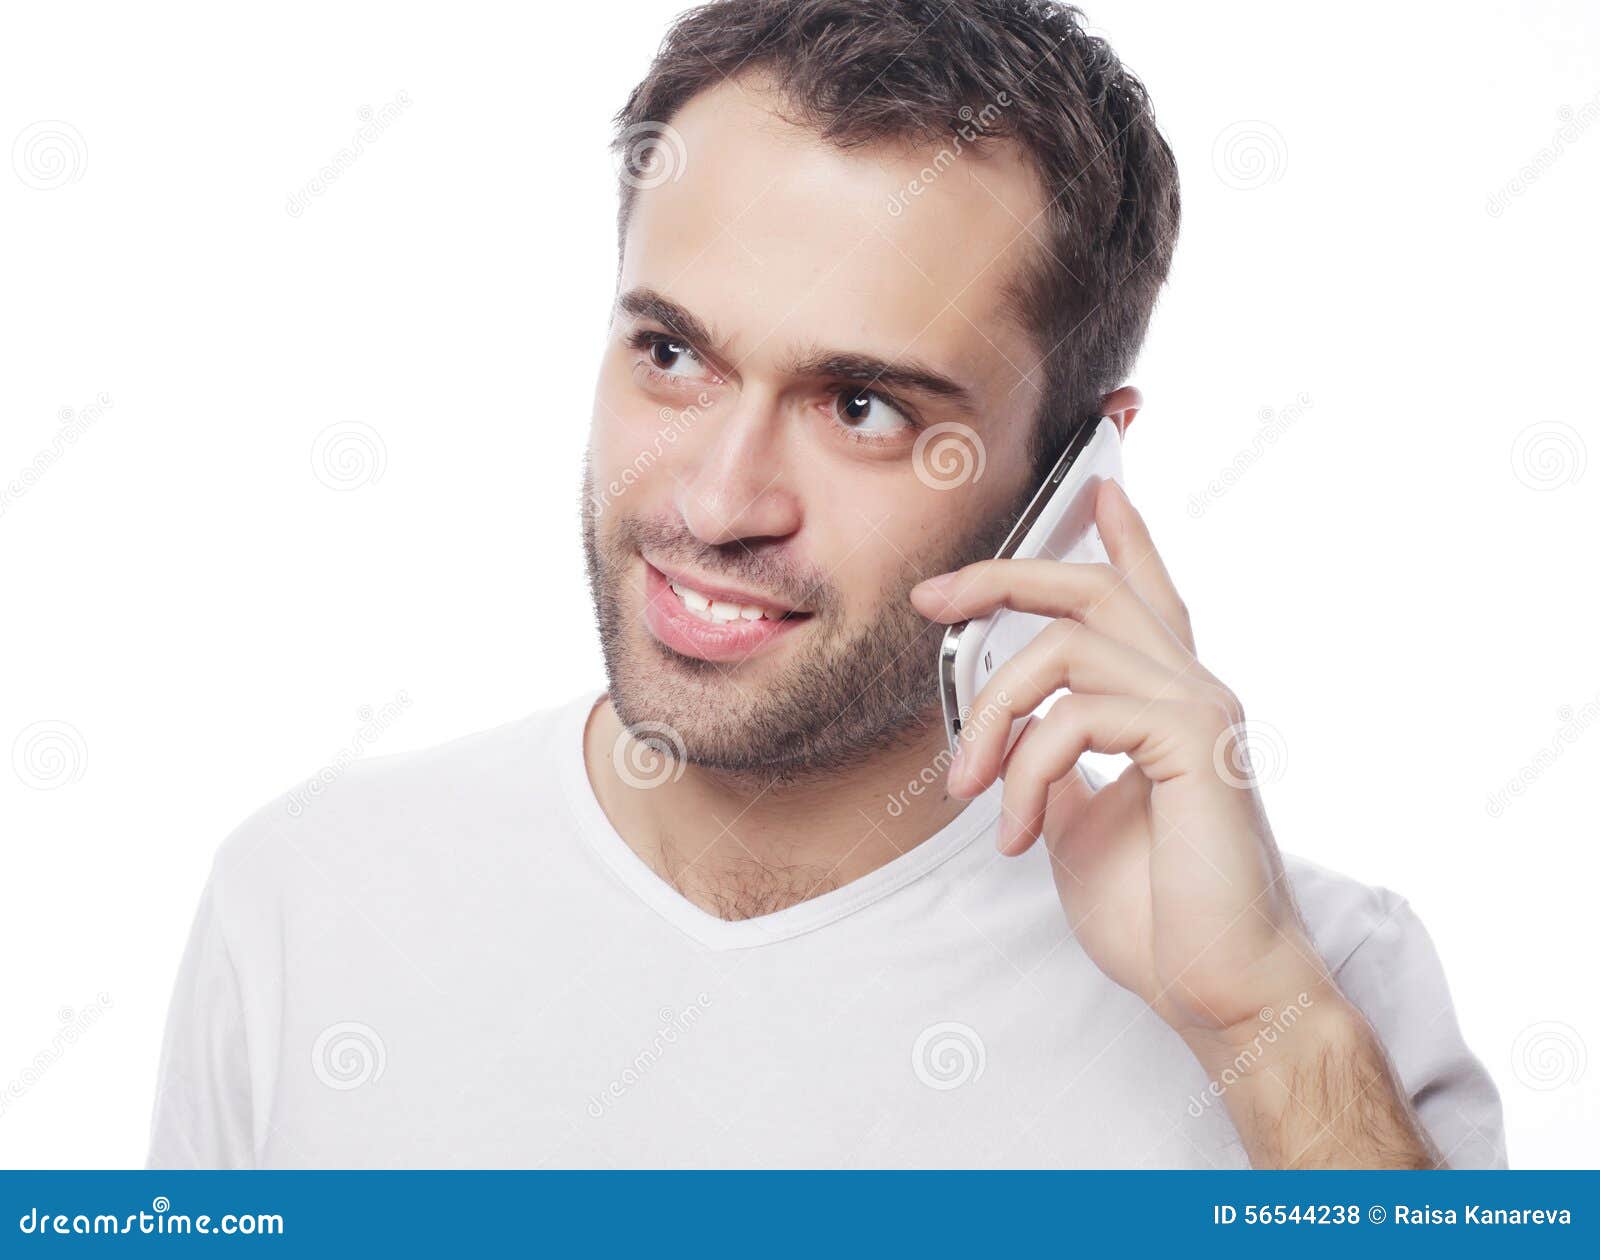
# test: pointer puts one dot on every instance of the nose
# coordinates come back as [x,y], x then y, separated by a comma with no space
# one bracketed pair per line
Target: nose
[735,486]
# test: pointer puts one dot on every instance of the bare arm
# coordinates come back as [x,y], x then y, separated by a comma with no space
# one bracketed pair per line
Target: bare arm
[1323,1095]
[1170,876]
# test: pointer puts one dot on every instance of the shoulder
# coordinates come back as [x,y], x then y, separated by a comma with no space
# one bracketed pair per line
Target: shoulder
[1376,946]
[1342,913]
[359,811]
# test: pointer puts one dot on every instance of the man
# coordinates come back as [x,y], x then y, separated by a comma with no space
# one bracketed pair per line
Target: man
[877,261]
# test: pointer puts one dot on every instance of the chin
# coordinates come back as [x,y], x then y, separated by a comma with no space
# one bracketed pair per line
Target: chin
[723,717]
[770,721]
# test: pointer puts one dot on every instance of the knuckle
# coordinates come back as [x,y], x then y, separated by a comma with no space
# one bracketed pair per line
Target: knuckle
[1030,673]
[1220,717]
[1207,693]
[1059,636]
[1066,716]
[1105,577]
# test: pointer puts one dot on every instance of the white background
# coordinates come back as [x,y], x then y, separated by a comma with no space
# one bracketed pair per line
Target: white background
[1400,583]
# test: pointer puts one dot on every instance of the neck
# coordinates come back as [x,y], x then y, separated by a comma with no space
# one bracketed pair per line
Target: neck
[739,846]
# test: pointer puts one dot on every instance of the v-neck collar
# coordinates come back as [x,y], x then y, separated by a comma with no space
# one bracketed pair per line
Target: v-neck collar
[766,929]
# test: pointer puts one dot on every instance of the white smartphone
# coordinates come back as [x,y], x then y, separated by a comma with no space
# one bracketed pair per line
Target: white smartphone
[1057,524]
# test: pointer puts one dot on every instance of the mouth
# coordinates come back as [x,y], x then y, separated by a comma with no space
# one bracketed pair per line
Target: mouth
[710,621]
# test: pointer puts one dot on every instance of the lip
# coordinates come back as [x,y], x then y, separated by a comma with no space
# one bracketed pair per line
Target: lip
[719,590]
[680,630]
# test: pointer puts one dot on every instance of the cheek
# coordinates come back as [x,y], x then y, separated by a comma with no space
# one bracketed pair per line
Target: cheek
[865,535]
[633,439]
[902,532]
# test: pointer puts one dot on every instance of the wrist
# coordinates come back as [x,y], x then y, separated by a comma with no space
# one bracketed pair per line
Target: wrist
[1311,1017]
[1310,1086]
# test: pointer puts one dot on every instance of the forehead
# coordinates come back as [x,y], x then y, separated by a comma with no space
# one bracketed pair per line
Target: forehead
[778,239]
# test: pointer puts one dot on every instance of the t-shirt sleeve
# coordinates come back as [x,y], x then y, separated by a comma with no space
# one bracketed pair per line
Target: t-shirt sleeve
[202,1113]
[1395,977]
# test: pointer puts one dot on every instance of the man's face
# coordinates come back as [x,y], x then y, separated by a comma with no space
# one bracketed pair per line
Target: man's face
[812,397]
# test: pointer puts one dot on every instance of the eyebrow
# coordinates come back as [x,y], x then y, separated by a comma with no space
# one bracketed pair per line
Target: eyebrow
[905,374]
[678,320]
[866,369]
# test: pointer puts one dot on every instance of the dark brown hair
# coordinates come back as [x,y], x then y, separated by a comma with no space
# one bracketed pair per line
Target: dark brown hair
[861,71]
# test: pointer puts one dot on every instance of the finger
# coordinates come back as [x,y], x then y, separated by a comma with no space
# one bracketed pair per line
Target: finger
[1128,543]
[1068,799]
[1089,850]
[1066,655]
[1095,594]
[1164,738]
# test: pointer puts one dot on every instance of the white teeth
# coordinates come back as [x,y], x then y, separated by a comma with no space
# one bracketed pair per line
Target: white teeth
[717,611]
[694,599]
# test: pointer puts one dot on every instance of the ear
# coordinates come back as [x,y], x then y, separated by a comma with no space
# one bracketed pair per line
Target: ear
[1122,405]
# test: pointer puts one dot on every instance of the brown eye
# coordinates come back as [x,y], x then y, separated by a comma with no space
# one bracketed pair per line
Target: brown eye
[867,412]
[854,406]
[673,357]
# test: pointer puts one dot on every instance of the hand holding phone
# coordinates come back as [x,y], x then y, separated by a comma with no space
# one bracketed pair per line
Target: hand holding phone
[1058,524]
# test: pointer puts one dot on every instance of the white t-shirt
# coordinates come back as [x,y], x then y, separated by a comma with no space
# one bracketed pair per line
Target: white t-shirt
[450,959]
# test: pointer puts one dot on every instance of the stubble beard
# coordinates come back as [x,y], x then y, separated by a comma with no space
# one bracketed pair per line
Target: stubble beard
[850,694]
